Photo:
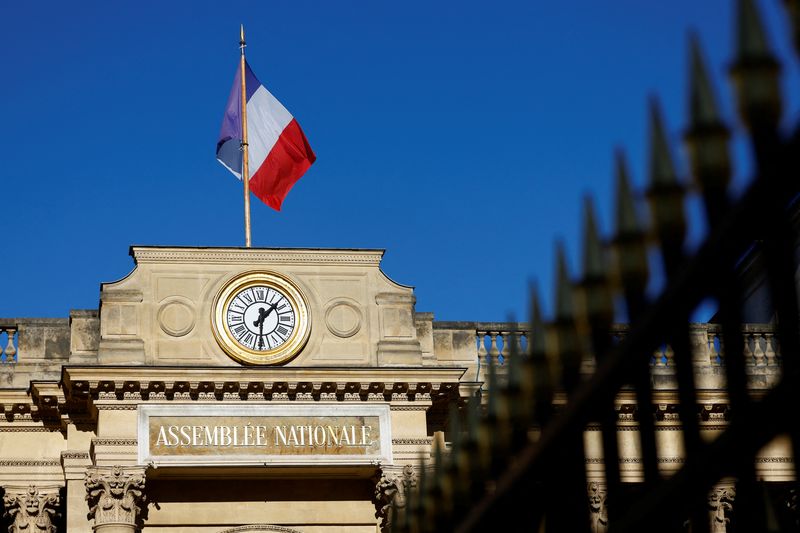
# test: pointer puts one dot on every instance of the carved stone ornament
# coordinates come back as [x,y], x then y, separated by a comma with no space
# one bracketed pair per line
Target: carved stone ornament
[390,494]
[115,495]
[720,506]
[598,514]
[31,510]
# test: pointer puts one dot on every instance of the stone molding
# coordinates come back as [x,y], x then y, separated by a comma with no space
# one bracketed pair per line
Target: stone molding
[75,455]
[421,441]
[124,388]
[28,429]
[32,509]
[261,528]
[115,495]
[115,442]
[49,406]
[29,462]
[271,256]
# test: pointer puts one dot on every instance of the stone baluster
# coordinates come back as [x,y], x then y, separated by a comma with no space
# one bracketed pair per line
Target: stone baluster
[714,348]
[32,509]
[7,354]
[758,349]
[770,348]
[494,352]
[698,338]
[481,338]
[658,357]
[506,336]
[518,340]
[116,498]
[669,355]
[748,350]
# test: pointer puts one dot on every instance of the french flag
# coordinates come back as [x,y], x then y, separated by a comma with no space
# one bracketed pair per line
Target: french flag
[279,153]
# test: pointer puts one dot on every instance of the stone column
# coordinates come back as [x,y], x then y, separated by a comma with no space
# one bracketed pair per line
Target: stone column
[32,509]
[390,493]
[116,497]
[598,514]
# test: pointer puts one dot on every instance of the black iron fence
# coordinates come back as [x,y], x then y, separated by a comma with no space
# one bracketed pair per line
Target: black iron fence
[516,460]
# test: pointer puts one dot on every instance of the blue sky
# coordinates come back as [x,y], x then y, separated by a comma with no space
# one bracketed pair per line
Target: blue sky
[459,136]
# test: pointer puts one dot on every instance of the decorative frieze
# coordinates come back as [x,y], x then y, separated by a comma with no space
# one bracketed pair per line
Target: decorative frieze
[115,495]
[31,510]
[29,462]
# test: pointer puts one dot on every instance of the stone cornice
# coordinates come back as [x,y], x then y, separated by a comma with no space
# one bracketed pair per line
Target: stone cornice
[20,406]
[93,380]
[274,256]
[92,388]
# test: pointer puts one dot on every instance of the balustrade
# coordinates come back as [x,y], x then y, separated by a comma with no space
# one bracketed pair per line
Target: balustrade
[760,344]
[494,341]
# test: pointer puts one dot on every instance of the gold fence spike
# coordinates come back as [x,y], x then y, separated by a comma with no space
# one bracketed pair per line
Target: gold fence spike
[541,374]
[664,193]
[567,338]
[793,9]
[707,137]
[629,251]
[703,108]
[565,305]
[627,220]
[751,39]
[594,265]
[661,166]
[597,304]
[755,70]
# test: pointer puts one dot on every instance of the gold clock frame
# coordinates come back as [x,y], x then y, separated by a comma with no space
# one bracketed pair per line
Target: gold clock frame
[242,354]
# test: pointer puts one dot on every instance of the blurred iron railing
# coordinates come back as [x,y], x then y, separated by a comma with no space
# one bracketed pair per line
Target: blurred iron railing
[519,463]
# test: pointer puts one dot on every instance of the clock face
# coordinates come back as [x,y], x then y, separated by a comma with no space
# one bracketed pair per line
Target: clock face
[261,318]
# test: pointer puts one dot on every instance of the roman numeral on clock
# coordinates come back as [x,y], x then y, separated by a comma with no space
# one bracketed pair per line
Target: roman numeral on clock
[249,339]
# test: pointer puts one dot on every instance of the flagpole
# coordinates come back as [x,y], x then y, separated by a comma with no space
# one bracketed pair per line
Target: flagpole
[245,169]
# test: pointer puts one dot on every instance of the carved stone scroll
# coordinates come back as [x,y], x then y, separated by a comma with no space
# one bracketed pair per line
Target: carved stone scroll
[390,494]
[116,496]
[32,509]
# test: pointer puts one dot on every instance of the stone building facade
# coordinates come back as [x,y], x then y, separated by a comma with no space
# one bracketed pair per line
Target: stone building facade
[158,412]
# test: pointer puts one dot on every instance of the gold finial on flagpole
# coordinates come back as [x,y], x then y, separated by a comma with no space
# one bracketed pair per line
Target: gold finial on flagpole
[245,169]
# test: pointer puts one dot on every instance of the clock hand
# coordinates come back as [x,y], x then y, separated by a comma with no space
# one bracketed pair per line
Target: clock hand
[261,316]
[261,334]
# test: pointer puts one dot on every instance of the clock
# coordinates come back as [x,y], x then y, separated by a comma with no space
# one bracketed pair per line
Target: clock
[261,318]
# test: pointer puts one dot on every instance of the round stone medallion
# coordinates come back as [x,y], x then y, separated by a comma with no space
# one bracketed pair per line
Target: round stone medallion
[176,318]
[343,318]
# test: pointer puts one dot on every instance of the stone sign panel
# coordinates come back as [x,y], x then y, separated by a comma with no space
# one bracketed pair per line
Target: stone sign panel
[282,434]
